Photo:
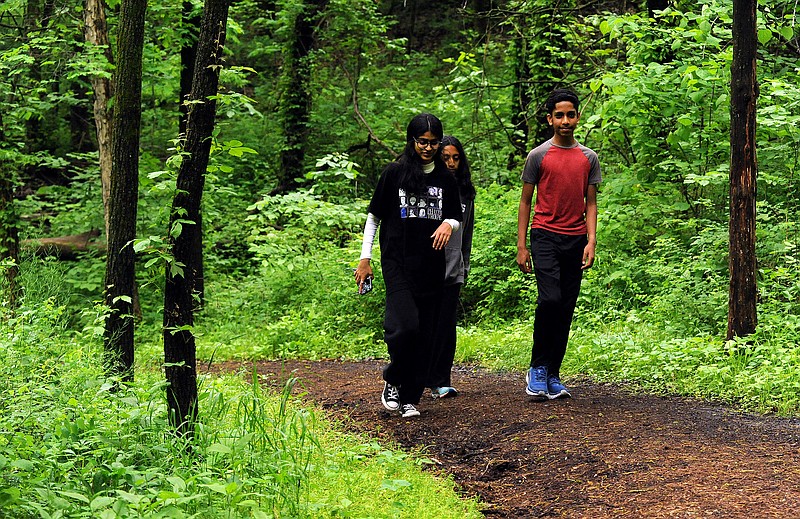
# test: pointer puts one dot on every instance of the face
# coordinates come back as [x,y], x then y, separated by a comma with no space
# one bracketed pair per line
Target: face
[451,158]
[424,146]
[564,118]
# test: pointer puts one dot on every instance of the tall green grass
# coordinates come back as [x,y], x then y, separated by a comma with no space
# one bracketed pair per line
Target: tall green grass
[71,446]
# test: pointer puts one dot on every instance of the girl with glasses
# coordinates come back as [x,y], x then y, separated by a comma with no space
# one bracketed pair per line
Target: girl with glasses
[416,205]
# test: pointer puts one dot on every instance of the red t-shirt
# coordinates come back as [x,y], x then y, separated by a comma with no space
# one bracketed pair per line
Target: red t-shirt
[562,177]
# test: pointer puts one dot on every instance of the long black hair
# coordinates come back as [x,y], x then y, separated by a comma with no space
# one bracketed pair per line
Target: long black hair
[463,173]
[412,177]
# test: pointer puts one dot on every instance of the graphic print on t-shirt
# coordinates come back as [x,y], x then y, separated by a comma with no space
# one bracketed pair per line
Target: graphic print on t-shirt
[427,205]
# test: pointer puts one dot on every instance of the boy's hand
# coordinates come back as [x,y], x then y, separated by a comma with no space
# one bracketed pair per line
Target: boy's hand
[442,235]
[524,260]
[588,256]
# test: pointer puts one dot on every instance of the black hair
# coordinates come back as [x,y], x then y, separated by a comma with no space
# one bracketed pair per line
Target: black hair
[412,177]
[463,173]
[561,94]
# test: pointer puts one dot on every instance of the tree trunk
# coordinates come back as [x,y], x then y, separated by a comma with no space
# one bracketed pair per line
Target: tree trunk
[521,102]
[296,97]
[191,20]
[96,33]
[179,342]
[120,260]
[656,5]
[9,226]
[743,291]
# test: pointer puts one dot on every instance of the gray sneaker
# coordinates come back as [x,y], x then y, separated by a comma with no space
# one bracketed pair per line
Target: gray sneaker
[390,397]
[408,410]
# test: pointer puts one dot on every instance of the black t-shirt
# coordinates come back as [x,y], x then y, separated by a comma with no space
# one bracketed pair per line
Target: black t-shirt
[408,219]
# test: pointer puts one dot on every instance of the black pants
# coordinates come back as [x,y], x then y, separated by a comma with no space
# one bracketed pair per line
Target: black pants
[557,262]
[409,329]
[444,349]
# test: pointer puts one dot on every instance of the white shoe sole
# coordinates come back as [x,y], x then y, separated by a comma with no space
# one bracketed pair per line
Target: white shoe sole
[561,394]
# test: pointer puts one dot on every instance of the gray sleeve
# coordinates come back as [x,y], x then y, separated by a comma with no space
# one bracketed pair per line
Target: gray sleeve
[595,177]
[466,237]
[530,173]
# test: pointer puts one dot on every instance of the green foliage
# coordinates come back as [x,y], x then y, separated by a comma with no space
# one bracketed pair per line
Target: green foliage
[288,228]
[74,447]
[311,311]
[495,288]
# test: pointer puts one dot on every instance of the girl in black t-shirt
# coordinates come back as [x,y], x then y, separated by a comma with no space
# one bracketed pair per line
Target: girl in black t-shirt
[416,204]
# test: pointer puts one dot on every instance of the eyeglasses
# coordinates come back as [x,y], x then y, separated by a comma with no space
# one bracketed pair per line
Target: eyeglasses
[424,143]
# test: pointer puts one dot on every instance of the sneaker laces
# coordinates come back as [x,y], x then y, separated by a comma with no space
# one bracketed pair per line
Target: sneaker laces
[392,393]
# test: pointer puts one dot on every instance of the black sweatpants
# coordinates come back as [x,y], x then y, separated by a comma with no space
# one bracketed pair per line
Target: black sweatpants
[409,326]
[444,349]
[557,262]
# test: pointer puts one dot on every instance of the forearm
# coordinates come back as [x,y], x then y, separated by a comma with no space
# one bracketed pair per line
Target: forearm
[370,229]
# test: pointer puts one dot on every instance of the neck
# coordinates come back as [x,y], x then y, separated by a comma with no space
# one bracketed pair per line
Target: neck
[564,142]
[429,167]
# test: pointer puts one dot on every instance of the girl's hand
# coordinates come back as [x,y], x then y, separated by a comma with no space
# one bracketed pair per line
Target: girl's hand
[362,272]
[442,235]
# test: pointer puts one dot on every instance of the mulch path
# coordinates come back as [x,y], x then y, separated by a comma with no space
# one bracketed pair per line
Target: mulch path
[606,452]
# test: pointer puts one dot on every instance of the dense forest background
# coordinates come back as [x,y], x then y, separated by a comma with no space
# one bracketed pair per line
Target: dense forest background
[312,102]
[314,97]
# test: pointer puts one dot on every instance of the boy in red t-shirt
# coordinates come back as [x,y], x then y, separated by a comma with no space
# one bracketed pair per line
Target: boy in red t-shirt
[565,175]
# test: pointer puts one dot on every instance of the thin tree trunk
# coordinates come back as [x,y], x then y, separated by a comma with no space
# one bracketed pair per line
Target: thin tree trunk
[96,33]
[296,97]
[521,102]
[191,20]
[179,342]
[9,227]
[743,291]
[120,259]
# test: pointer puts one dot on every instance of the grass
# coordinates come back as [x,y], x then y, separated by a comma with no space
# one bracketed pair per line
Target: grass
[72,447]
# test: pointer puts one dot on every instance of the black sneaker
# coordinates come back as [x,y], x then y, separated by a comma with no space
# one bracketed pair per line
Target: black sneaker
[408,410]
[390,398]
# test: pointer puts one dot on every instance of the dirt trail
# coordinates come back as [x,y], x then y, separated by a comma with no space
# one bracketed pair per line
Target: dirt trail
[605,453]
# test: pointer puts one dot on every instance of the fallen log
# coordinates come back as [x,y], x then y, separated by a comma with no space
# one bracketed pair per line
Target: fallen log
[66,247]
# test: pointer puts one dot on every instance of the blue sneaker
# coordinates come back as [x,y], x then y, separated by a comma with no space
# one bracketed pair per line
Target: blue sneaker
[443,392]
[555,389]
[537,381]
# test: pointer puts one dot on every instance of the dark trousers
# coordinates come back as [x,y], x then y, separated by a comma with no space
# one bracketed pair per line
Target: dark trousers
[557,262]
[444,348]
[409,329]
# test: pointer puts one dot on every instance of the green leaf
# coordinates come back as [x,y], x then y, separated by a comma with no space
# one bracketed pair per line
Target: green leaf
[218,447]
[764,35]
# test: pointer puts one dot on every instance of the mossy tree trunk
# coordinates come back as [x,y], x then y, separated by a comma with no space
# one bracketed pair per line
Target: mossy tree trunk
[96,33]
